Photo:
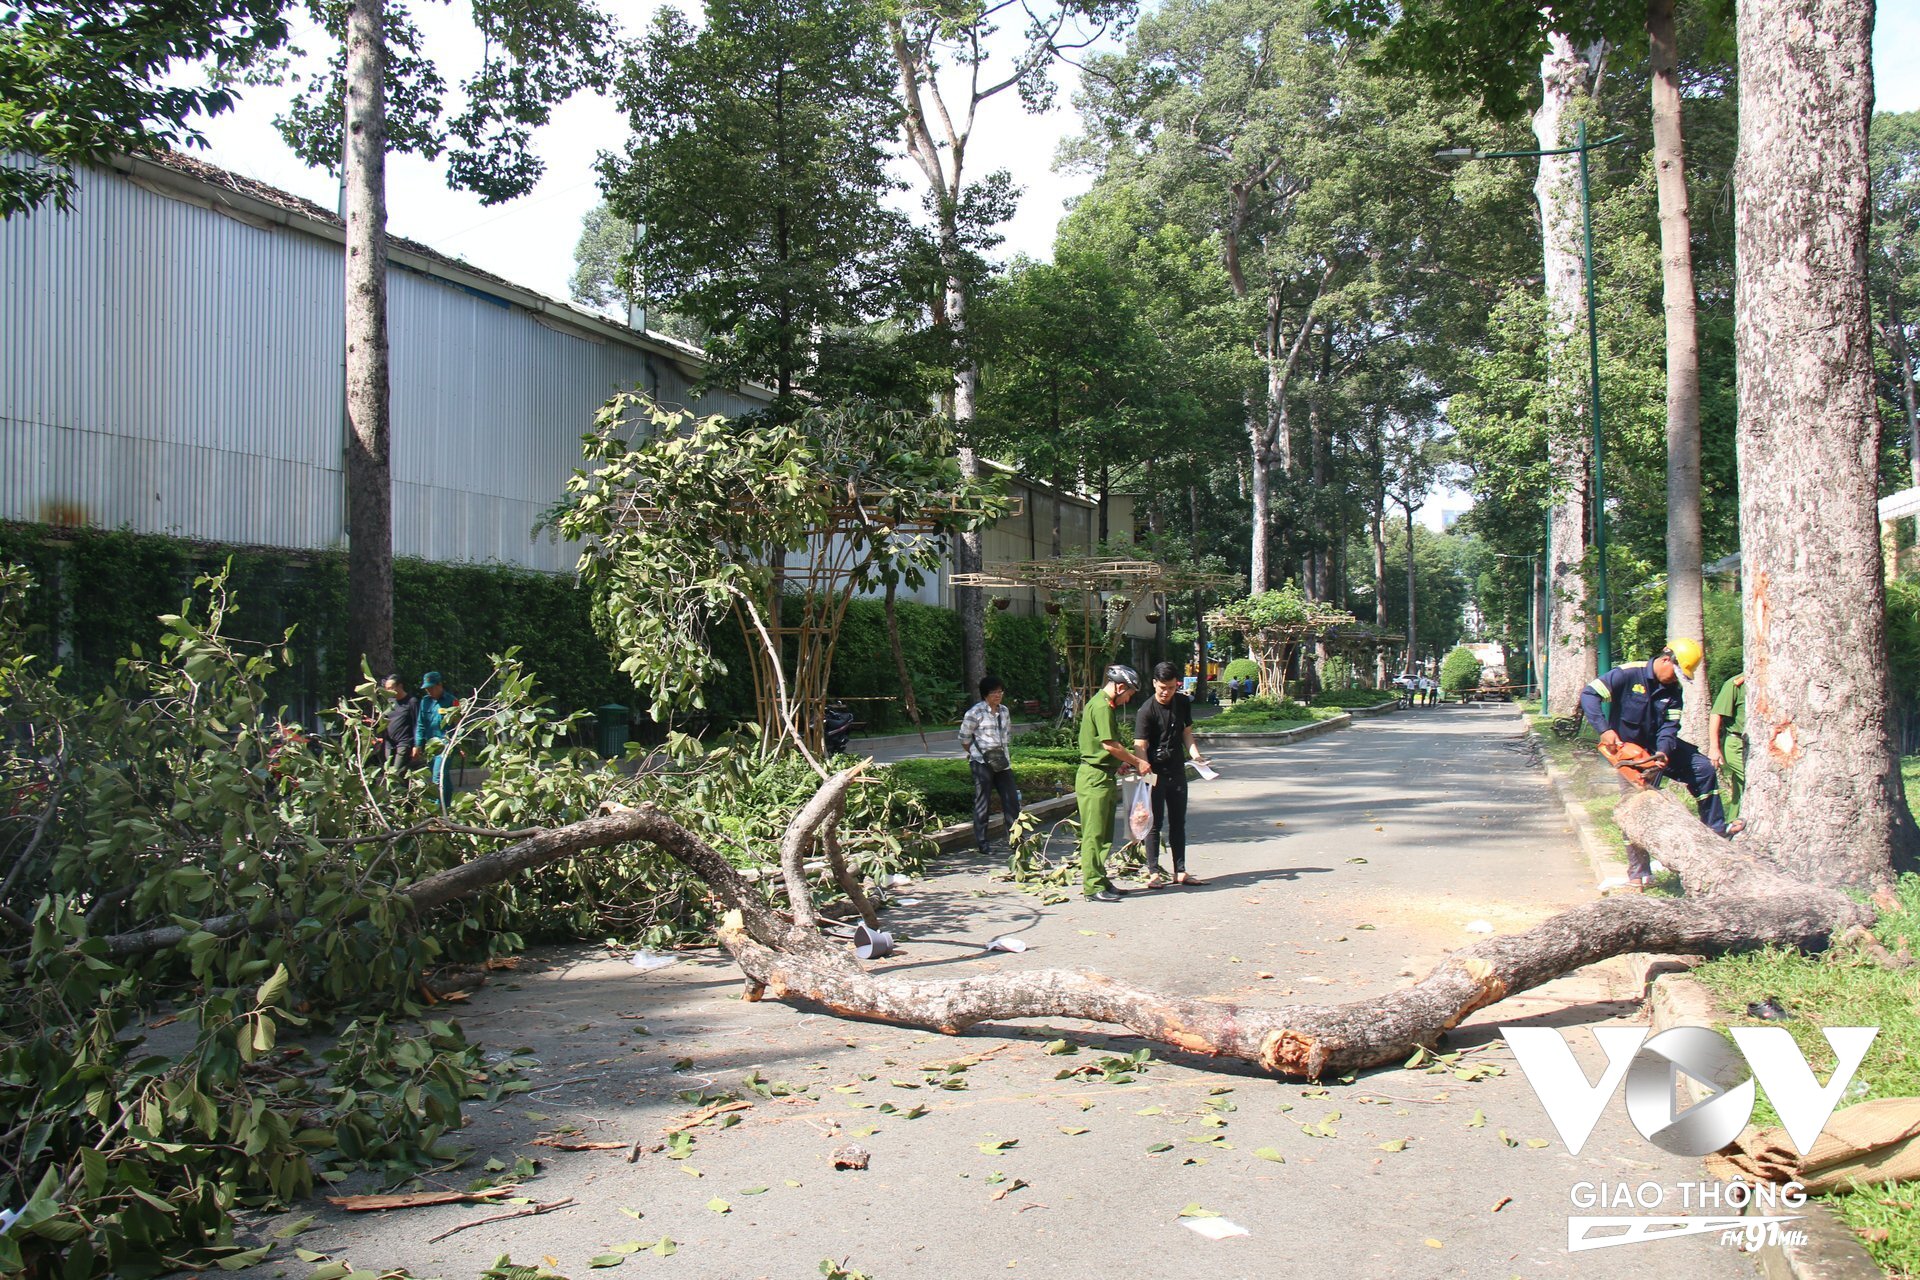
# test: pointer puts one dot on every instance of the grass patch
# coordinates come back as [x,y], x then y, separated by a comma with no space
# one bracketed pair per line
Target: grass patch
[946,784]
[1596,790]
[1265,715]
[1846,988]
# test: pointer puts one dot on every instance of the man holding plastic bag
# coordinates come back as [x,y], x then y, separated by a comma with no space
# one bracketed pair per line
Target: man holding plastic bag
[1163,733]
[1103,750]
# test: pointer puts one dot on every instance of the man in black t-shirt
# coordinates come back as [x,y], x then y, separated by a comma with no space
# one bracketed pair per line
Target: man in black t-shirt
[1163,733]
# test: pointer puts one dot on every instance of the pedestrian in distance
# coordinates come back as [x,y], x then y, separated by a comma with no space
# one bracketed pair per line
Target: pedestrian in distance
[1103,751]
[396,748]
[1163,733]
[1727,740]
[1640,704]
[430,726]
[986,735]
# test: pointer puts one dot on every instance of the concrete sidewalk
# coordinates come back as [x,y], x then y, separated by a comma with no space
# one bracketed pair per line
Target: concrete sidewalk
[1337,869]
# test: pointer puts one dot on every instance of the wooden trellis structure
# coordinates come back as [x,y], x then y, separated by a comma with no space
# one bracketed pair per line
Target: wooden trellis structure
[1272,644]
[1093,597]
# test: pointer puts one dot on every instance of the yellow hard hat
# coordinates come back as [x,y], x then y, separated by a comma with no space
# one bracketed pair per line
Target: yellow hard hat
[1685,652]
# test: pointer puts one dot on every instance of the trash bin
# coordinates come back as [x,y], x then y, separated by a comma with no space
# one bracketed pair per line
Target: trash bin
[613,730]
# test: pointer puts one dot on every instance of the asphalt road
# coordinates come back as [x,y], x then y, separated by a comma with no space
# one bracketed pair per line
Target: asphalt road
[1337,867]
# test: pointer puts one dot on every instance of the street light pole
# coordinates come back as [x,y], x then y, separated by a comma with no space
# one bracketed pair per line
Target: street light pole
[1580,148]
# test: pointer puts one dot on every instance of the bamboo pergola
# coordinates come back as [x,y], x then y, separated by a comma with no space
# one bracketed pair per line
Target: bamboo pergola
[1271,645]
[1096,596]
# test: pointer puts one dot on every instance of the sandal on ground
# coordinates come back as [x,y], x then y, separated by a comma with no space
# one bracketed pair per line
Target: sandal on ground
[1157,881]
[1184,879]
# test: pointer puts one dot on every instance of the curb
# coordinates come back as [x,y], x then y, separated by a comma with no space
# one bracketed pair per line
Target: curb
[1831,1252]
[961,833]
[1378,709]
[1601,860]
[1312,730]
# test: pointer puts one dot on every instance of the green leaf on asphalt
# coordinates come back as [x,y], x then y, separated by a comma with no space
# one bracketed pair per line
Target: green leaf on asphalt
[294,1228]
[1073,1130]
[607,1260]
[914,1112]
[996,1145]
[1154,1110]
[308,1255]
[1268,1153]
[666,1248]
[754,1191]
[864,1131]
[628,1246]
[1398,1144]
[1479,1120]
[1356,859]
[1509,1141]
[1537,1142]
[1195,1211]
[717,1205]
[1058,1047]
[1160,1146]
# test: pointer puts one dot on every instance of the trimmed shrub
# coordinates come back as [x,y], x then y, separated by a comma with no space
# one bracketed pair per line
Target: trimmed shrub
[1241,669]
[1459,671]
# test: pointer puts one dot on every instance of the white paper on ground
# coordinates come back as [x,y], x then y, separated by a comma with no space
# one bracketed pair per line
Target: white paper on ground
[1479,926]
[647,960]
[1214,1228]
[1006,944]
[907,902]
[1205,770]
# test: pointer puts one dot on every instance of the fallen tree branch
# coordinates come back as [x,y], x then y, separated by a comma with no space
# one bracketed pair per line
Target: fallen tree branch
[531,1210]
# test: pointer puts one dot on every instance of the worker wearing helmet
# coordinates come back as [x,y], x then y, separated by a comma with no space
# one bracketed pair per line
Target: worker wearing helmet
[1103,749]
[1640,703]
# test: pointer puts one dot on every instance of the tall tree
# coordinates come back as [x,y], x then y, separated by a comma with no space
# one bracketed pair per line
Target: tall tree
[1263,131]
[1823,780]
[1894,266]
[381,93]
[945,72]
[757,167]
[1686,611]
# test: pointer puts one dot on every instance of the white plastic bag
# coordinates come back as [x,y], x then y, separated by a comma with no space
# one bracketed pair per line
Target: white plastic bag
[1140,808]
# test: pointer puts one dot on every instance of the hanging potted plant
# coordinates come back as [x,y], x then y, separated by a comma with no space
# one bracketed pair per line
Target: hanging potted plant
[1002,602]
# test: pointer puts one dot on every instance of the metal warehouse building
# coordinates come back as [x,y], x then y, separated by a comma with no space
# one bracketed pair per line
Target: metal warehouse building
[172,361]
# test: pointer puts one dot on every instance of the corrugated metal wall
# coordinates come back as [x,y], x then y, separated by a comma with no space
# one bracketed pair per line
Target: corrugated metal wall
[171,369]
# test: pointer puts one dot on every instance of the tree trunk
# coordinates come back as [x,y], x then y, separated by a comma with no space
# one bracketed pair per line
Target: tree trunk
[1903,362]
[1413,633]
[1262,461]
[1686,615]
[1379,585]
[1735,903]
[1563,76]
[1823,780]
[369,478]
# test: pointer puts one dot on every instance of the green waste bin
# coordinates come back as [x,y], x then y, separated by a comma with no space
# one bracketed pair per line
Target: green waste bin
[613,730]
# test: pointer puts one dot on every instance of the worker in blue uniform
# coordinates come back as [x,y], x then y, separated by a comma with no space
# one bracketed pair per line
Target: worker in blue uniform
[1640,703]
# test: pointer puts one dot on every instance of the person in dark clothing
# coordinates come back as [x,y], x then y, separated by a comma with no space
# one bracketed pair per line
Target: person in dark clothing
[1163,733]
[396,740]
[1640,703]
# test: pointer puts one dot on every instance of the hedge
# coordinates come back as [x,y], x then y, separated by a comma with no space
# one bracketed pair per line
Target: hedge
[102,591]
[1459,670]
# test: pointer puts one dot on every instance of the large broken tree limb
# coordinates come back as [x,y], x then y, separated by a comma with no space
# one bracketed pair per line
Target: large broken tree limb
[1736,901]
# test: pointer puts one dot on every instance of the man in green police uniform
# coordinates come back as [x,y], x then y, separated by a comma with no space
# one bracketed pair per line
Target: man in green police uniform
[1727,740]
[1103,749]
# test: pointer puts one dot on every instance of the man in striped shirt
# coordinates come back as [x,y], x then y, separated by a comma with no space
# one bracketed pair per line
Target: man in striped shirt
[987,734]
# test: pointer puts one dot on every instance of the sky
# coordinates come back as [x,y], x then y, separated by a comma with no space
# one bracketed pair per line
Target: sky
[530,241]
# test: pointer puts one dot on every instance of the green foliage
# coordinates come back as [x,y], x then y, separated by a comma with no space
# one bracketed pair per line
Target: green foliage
[1442,586]
[1020,648]
[1240,669]
[757,164]
[104,591]
[80,82]
[946,785]
[1903,639]
[742,495]
[1459,671]
[1337,674]
[534,58]
[273,868]
[1251,715]
[863,664]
